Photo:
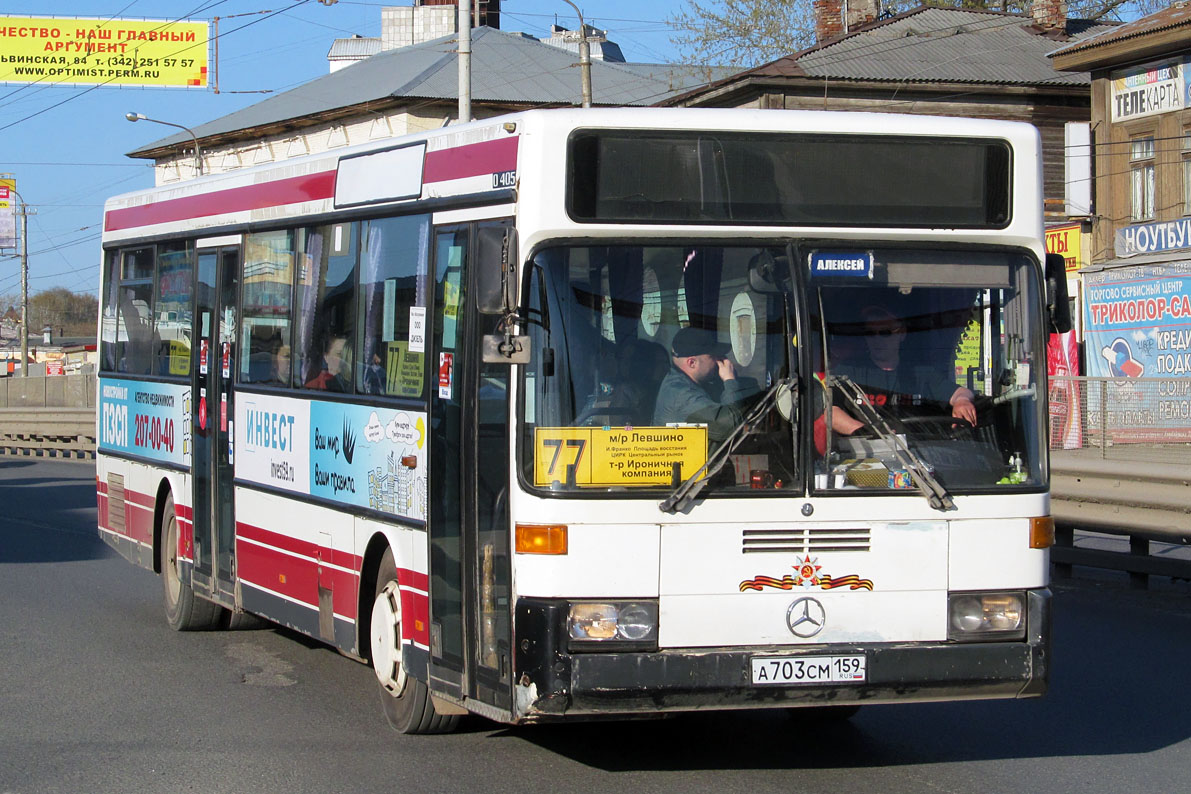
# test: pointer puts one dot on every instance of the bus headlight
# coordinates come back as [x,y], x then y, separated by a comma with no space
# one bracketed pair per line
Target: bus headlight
[986,616]
[613,622]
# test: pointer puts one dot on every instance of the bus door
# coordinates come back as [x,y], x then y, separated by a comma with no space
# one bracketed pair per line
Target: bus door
[469,489]
[212,457]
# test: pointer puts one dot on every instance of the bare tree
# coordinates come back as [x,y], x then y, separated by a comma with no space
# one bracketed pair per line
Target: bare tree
[741,32]
[747,33]
[65,312]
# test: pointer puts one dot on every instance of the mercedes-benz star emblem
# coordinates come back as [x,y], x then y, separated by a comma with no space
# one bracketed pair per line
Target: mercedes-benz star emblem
[806,617]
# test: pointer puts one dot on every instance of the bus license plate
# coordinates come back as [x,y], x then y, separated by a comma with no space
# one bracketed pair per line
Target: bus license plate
[809,669]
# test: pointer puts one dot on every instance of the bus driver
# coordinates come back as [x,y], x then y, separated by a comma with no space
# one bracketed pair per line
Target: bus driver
[684,396]
[888,385]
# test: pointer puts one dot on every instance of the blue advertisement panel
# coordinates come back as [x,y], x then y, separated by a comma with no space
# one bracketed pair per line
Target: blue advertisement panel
[1137,324]
[149,420]
[364,456]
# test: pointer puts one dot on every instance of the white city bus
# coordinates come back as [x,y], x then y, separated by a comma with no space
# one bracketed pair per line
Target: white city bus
[406,401]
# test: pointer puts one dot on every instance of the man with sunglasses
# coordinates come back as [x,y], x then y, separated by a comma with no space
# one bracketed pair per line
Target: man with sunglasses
[889,385]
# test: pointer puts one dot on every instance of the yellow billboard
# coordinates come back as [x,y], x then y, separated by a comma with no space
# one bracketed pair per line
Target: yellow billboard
[1068,241]
[78,51]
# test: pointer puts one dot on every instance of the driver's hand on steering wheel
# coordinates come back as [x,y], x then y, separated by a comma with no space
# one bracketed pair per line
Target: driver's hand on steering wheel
[962,407]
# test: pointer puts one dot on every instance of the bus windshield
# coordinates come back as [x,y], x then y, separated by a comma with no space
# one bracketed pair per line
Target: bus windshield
[927,370]
[647,358]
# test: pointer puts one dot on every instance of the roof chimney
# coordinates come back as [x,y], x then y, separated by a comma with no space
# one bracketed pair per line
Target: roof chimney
[1049,14]
[835,18]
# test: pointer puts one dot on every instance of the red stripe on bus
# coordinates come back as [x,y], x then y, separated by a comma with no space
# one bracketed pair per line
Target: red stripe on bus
[476,159]
[415,617]
[274,570]
[294,545]
[296,577]
[308,187]
[415,579]
[138,524]
[141,499]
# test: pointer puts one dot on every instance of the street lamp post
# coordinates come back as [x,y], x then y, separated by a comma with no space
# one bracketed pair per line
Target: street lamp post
[584,56]
[198,154]
[24,212]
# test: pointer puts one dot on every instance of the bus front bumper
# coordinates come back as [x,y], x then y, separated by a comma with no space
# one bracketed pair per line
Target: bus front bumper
[555,683]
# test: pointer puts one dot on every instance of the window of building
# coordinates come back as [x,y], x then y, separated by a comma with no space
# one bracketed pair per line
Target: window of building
[1187,171]
[1141,168]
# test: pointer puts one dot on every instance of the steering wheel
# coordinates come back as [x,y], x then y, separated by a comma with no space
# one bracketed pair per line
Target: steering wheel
[952,427]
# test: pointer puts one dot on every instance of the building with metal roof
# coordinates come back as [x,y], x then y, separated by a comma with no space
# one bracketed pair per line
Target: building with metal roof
[935,61]
[409,89]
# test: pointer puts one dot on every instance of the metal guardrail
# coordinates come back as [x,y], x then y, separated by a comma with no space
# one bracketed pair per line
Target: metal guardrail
[54,432]
[1121,465]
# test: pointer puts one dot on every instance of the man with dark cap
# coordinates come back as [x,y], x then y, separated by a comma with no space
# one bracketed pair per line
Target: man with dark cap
[683,396]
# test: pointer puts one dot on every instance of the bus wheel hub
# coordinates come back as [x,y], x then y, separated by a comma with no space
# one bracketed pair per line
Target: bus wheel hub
[386,639]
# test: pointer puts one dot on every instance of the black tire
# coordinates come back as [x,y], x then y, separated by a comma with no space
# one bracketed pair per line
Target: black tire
[184,611]
[406,700]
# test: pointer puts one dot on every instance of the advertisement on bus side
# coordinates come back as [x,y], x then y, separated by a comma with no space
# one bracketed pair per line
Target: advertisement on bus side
[149,420]
[365,456]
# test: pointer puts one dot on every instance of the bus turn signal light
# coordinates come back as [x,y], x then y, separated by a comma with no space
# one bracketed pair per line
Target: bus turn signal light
[541,539]
[1042,532]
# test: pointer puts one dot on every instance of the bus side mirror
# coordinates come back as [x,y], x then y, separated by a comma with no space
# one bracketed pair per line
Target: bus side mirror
[495,271]
[767,273]
[1057,306]
[496,294]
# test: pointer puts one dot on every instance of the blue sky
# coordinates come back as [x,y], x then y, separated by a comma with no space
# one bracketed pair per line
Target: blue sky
[65,144]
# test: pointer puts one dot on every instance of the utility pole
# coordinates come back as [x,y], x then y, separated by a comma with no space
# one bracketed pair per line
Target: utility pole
[24,211]
[24,287]
[584,56]
[464,61]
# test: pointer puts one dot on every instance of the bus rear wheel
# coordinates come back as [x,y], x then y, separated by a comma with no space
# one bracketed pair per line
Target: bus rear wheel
[184,611]
[406,700]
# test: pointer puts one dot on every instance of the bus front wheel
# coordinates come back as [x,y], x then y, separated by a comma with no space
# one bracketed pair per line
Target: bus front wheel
[184,611]
[406,700]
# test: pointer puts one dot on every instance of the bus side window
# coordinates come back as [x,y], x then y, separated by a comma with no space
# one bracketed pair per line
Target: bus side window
[392,309]
[327,306]
[175,279]
[267,309]
[134,327]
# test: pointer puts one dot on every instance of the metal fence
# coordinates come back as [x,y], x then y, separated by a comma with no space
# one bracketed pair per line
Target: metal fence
[1144,419]
[1121,475]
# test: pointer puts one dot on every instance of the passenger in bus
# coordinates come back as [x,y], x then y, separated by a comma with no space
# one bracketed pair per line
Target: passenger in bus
[686,394]
[878,371]
[333,372]
[281,365]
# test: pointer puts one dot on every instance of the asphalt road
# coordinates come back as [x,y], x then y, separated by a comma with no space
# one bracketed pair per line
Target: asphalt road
[98,695]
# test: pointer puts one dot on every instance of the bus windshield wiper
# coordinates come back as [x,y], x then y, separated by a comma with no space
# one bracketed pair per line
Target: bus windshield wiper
[931,488]
[686,492]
